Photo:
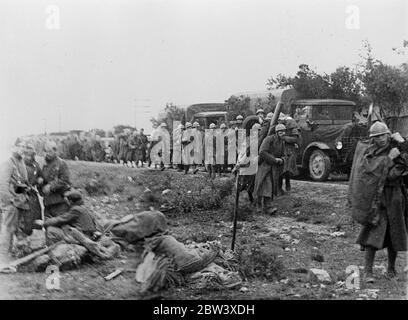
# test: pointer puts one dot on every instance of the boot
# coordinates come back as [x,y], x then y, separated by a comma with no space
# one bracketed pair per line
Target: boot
[368,268]
[287,184]
[186,169]
[269,209]
[392,257]
[259,205]
[6,246]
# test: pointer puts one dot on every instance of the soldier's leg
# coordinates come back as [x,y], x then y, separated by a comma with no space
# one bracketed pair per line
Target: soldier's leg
[280,185]
[214,170]
[208,169]
[10,220]
[55,235]
[369,262]
[259,204]
[392,257]
[268,204]
[287,181]
[186,168]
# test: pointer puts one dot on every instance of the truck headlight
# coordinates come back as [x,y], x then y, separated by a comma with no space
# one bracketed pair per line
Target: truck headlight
[339,145]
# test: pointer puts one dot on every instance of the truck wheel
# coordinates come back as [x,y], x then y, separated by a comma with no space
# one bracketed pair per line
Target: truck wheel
[319,165]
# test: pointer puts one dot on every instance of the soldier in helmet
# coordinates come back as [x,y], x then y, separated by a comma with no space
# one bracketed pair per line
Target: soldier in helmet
[196,126]
[13,200]
[239,119]
[162,127]
[270,168]
[292,144]
[224,167]
[185,141]
[212,168]
[197,132]
[143,146]
[178,140]
[388,227]
[55,181]
[261,114]
[34,175]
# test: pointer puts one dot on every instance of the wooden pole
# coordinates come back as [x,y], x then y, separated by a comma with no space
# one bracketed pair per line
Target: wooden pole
[234,228]
[275,116]
[41,202]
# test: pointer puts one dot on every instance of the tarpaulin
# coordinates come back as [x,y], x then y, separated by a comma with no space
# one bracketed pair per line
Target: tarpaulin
[331,133]
[367,179]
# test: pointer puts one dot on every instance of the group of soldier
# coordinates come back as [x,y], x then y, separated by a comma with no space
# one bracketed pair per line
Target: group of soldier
[85,146]
[35,197]
[185,135]
[129,147]
[22,181]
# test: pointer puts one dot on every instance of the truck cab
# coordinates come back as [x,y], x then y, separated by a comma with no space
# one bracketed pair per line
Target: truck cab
[329,135]
[206,118]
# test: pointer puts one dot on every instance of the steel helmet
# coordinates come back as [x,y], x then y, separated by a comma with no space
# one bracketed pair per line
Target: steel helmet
[180,126]
[163,124]
[239,117]
[223,126]
[260,111]
[212,126]
[282,116]
[378,129]
[188,125]
[280,127]
[269,116]
[196,124]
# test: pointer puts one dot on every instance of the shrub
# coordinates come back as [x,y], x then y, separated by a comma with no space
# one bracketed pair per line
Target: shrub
[261,263]
[202,194]
[97,186]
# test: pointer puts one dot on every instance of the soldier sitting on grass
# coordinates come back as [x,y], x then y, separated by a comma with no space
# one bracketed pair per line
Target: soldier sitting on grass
[77,226]
[77,217]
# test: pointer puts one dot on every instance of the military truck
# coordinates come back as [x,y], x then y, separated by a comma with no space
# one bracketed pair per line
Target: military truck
[329,134]
[207,113]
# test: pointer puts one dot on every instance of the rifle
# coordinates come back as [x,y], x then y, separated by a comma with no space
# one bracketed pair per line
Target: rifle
[41,202]
[12,267]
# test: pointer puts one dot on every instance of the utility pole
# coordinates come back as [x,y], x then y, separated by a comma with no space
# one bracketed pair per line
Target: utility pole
[136,106]
[45,126]
[134,115]
[59,119]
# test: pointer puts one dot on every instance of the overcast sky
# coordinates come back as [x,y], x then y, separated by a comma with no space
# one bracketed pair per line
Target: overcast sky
[109,57]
